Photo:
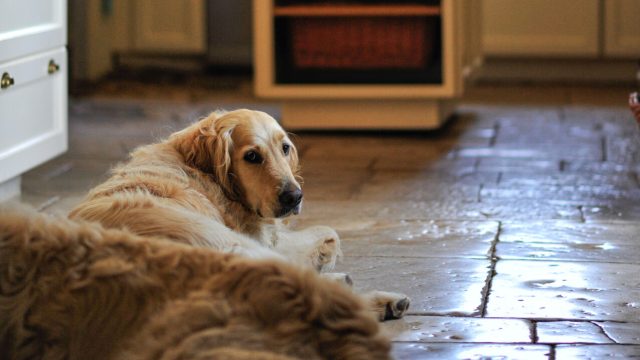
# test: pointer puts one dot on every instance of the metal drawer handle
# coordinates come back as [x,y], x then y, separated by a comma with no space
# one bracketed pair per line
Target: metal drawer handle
[53,67]
[7,81]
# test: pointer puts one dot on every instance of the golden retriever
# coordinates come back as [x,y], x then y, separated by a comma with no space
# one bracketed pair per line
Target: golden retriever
[223,183]
[75,290]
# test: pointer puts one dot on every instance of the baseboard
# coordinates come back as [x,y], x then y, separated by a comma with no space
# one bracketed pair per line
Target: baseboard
[619,72]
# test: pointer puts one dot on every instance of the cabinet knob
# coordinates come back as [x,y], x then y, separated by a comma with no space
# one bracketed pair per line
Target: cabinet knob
[7,81]
[53,67]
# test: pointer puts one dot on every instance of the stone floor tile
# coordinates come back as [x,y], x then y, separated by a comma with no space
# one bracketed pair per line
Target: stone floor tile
[436,329]
[565,290]
[52,203]
[605,252]
[506,165]
[323,185]
[570,241]
[622,333]
[597,352]
[515,179]
[437,286]
[548,135]
[623,150]
[609,120]
[352,214]
[403,351]
[421,239]
[586,168]
[570,332]
[65,174]
[577,194]
[590,151]
[367,148]
[101,148]
[447,166]
[625,209]
[411,186]
[428,192]
[564,231]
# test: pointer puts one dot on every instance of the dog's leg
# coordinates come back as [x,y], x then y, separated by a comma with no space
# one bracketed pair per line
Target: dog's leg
[317,246]
[387,305]
[340,278]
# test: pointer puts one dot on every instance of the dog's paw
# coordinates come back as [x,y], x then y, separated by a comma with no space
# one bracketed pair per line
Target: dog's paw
[387,305]
[341,278]
[327,249]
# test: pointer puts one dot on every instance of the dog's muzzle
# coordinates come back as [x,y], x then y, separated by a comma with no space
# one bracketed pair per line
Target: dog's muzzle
[290,200]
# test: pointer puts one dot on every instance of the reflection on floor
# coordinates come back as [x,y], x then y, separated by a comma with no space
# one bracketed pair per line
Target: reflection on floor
[514,229]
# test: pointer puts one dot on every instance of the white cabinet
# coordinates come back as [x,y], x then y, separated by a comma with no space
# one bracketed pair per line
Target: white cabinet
[30,26]
[541,27]
[33,91]
[622,28]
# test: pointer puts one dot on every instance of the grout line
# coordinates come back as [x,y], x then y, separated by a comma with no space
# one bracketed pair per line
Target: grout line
[604,332]
[562,165]
[492,272]
[552,352]
[476,165]
[581,210]
[533,331]
[494,138]
[636,178]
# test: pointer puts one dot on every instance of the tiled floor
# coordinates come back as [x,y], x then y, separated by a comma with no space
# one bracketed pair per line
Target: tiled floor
[515,229]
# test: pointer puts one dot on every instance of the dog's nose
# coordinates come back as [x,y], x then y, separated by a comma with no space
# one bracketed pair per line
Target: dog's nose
[290,198]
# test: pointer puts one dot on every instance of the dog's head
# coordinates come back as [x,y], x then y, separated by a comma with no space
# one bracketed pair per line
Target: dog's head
[250,157]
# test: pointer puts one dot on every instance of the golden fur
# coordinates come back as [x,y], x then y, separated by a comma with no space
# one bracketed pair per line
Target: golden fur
[75,290]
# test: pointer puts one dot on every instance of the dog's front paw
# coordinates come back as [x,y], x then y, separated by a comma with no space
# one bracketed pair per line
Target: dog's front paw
[327,249]
[387,305]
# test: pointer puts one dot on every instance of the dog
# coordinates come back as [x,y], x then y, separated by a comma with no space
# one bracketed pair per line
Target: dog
[225,183]
[71,289]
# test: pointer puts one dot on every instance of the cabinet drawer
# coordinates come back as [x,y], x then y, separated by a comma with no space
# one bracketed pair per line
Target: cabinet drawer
[33,111]
[31,26]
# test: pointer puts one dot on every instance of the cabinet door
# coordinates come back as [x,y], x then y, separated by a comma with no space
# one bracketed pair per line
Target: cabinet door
[31,26]
[551,28]
[33,112]
[622,28]
[169,25]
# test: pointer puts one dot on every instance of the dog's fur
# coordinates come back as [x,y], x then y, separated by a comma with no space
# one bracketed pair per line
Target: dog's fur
[75,290]
[198,188]
[195,188]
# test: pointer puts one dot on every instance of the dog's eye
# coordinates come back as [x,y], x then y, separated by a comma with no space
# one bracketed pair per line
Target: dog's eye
[253,157]
[286,148]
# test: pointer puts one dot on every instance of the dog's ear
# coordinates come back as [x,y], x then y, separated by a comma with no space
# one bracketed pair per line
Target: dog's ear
[222,148]
[196,144]
[207,146]
[294,163]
